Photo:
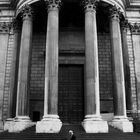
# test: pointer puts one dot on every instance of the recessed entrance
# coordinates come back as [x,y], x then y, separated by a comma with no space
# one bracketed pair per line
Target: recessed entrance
[71,93]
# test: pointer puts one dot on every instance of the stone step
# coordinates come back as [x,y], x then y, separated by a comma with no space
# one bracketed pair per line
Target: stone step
[29,134]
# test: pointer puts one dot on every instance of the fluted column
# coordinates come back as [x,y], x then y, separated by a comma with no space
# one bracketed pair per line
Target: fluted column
[120,119]
[124,30]
[51,122]
[22,120]
[24,58]
[16,30]
[92,122]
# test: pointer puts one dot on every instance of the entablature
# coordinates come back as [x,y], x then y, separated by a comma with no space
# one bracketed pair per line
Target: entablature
[20,3]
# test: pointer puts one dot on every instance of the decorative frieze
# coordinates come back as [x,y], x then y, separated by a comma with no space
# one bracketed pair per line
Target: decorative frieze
[53,4]
[5,27]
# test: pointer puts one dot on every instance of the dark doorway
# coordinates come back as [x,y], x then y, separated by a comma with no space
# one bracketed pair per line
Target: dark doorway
[36,116]
[71,93]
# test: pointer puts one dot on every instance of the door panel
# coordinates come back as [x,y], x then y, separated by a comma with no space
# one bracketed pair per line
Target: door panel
[71,90]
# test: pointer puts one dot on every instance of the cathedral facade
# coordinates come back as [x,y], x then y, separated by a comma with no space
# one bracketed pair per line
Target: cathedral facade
[69,62]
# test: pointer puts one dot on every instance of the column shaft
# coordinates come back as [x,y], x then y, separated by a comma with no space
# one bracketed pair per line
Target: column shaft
[24,58]
[13,79]
[120,120]
[51,64]
[124,30]
[51,122]
[92,102]
[92,122]
[118,72]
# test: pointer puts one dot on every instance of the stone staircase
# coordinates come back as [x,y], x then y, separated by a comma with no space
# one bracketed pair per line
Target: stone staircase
[29,134]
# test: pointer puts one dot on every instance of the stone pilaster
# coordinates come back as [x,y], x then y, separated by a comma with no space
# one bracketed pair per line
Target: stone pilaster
[22,120]
[4,36]
[92,122]
[51,122]
[135,34]
[135,30]
[120,120]
[15,29]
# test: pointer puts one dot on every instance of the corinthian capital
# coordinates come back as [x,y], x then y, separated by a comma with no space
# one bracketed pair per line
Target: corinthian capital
[53,4]
[90,4]
[135,28]
[5,27]
[26,12]
[124,25]
[115,12]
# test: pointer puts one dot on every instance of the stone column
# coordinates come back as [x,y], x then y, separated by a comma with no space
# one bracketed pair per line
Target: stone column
[124,30]
[120,120]
[92,122]
[22,120]
[51,122]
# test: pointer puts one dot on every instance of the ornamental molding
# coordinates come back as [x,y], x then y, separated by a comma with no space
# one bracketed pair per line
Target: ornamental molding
[133,3]
[5,27]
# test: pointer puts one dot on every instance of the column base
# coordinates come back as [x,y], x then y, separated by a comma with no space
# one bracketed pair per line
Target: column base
[19,124]
[94,124]
[1,126]
[8,123]
[122,123]
[49,124]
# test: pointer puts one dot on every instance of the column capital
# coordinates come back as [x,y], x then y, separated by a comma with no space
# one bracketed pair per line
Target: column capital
[115,13]
[125,25]
[135,28]
[90,5]
[16,25]
[53,4]
[5,27]
[26,12]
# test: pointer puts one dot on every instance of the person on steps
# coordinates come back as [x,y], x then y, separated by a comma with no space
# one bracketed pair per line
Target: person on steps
[72,136]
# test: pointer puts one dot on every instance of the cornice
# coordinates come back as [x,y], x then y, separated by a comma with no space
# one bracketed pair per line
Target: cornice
[133,3]
[4,4]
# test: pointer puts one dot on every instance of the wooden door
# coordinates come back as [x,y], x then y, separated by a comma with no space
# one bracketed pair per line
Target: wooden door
[71,93]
